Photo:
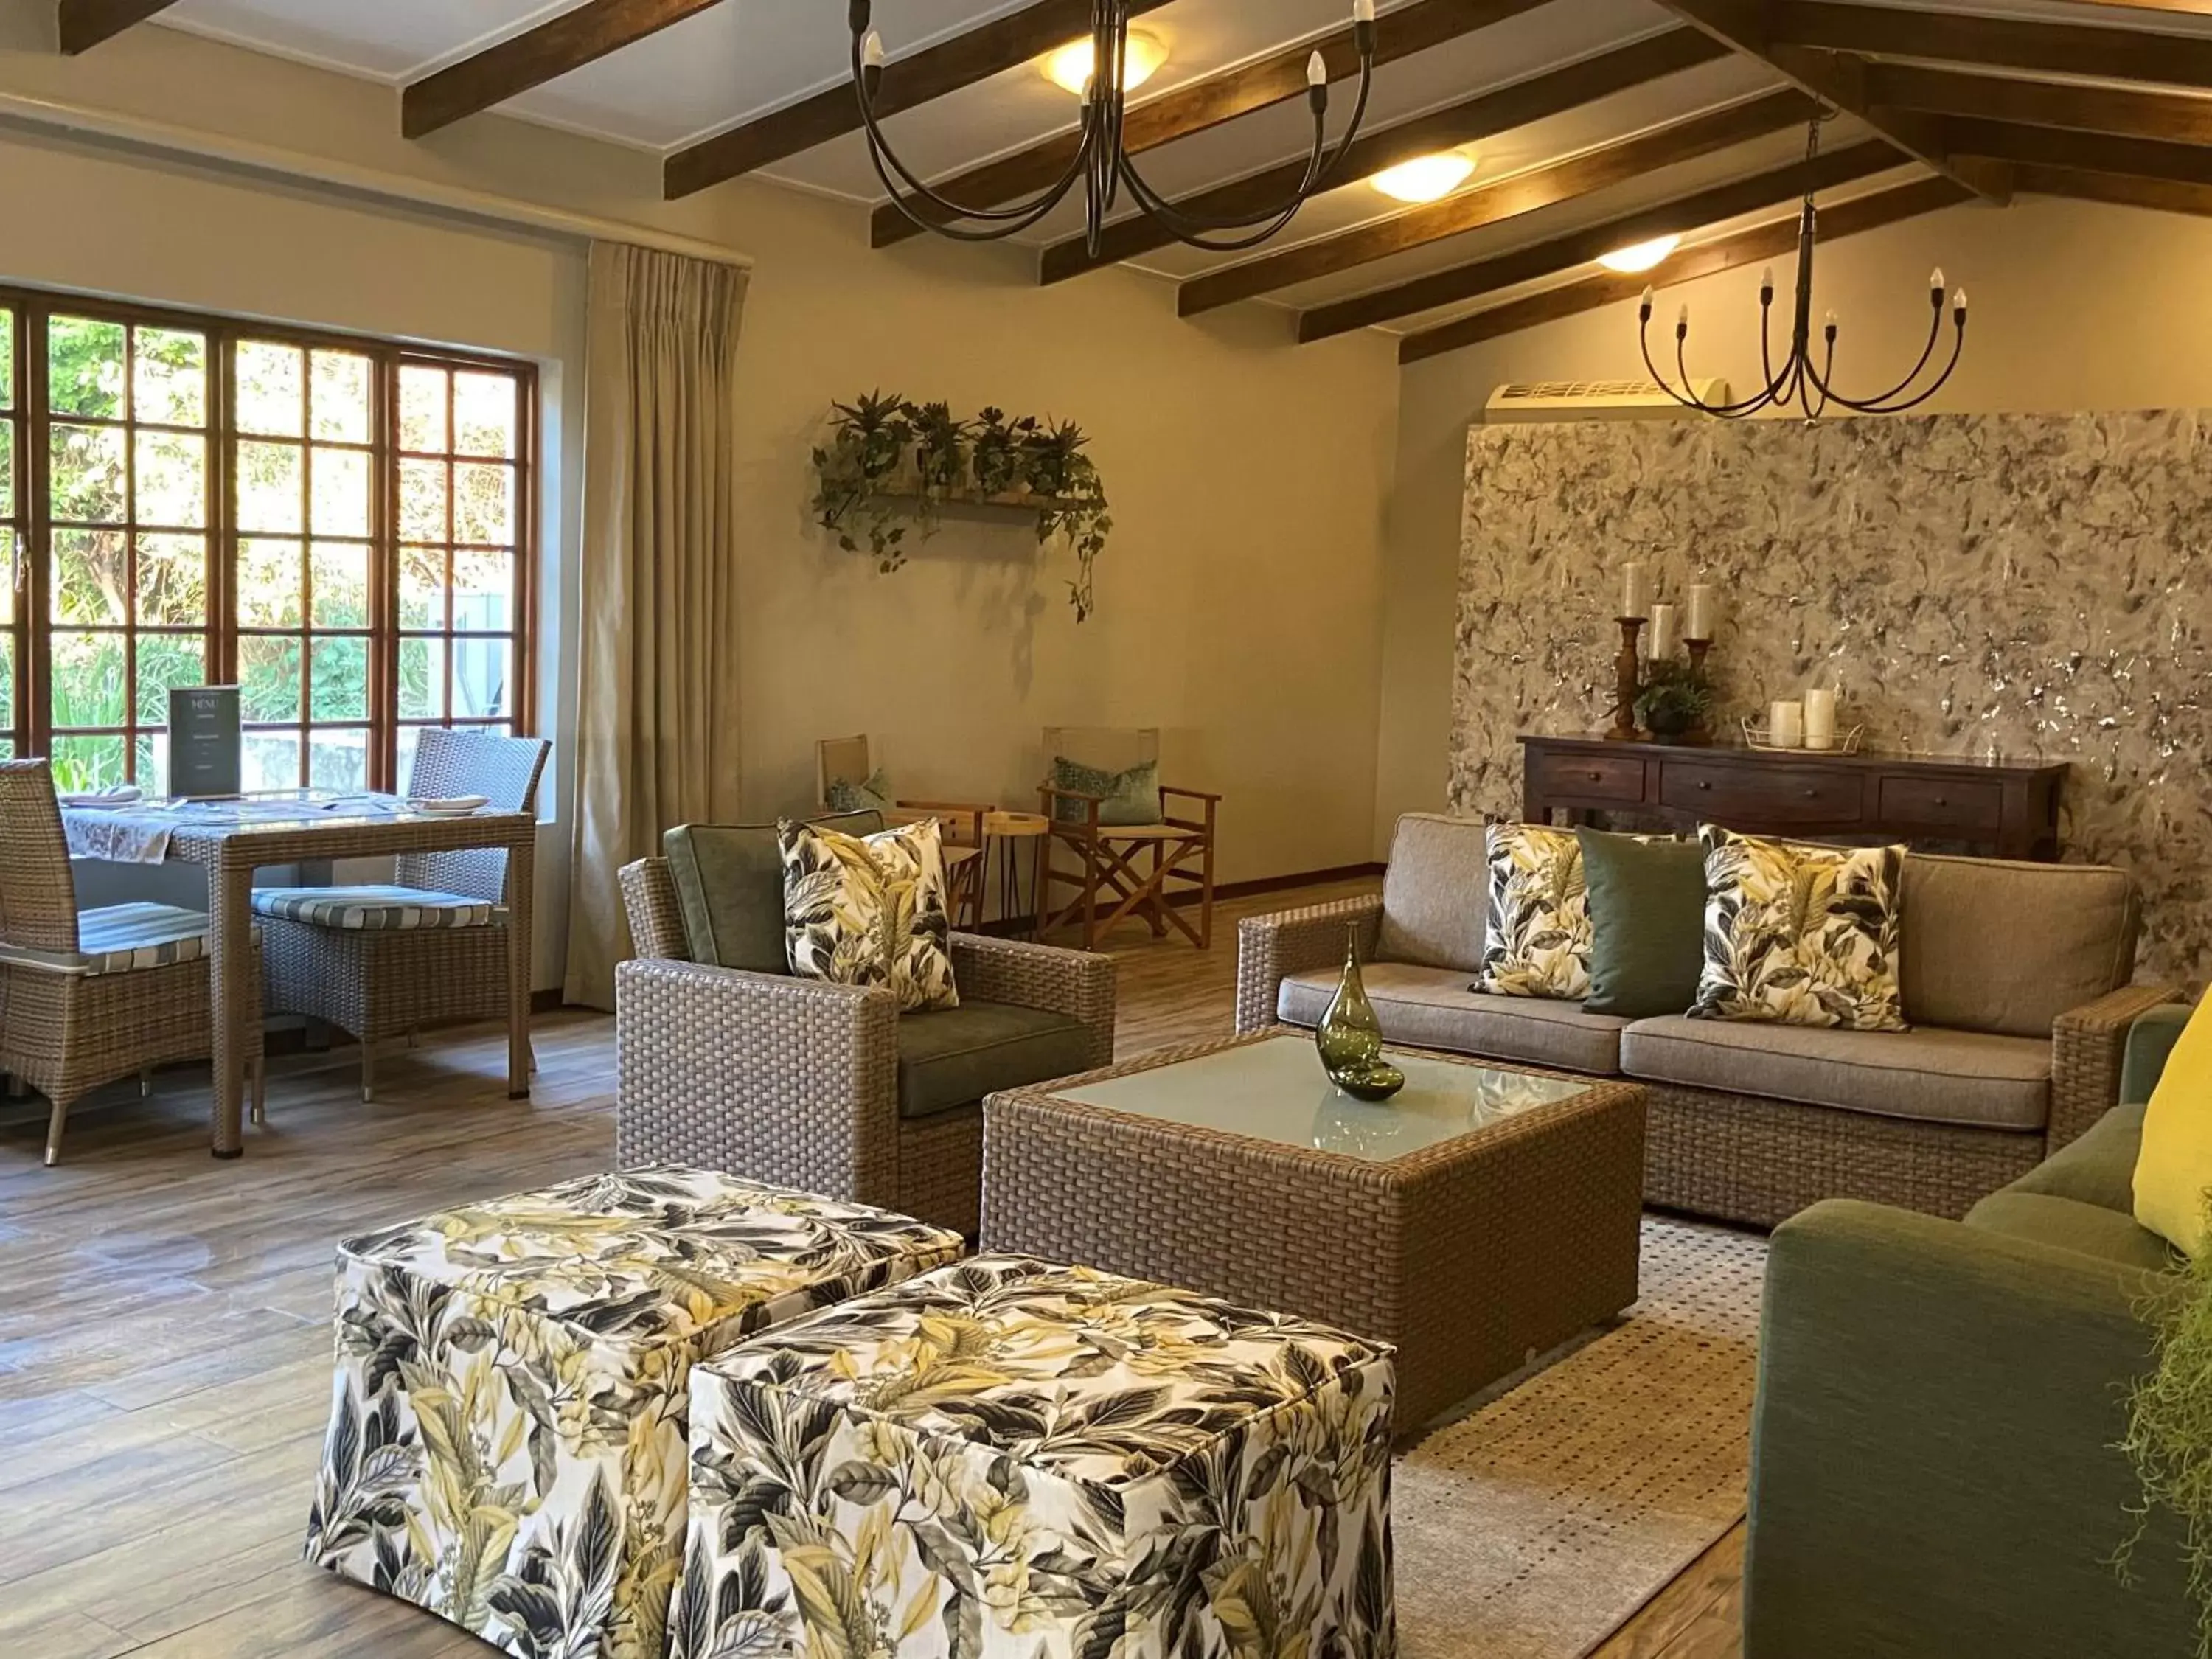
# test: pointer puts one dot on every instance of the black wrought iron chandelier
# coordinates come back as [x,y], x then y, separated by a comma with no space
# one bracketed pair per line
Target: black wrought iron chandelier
[1102,165]
[1812,389]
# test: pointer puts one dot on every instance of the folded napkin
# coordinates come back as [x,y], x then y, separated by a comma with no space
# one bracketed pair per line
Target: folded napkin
[116,794]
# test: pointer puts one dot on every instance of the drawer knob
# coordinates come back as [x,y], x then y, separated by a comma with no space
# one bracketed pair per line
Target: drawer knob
[1942,801]
[1597,777]
[1704,783]
[1812,794]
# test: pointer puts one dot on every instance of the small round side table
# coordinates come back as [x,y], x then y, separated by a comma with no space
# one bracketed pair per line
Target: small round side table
[1007,829]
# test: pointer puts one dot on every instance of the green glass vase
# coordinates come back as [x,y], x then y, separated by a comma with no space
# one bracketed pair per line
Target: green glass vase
[1350,1038]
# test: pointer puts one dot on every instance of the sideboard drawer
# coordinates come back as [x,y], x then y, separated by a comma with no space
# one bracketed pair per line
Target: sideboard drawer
[1590,777]
[1969,805]
[1763,793]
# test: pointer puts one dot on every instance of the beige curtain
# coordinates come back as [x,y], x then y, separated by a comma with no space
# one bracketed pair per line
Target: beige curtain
[657,717]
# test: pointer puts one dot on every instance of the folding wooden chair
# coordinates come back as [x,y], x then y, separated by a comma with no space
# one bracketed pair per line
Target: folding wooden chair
[1151,871]
[845,760]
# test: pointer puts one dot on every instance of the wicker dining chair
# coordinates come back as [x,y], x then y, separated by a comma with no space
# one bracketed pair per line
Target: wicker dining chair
[89,998]
[428,948]
[846,761]
[1151,870]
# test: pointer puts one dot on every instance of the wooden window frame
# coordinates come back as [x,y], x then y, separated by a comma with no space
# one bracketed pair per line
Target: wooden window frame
[34,626]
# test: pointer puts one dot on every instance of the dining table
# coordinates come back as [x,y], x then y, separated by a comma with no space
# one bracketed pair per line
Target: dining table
[232,837]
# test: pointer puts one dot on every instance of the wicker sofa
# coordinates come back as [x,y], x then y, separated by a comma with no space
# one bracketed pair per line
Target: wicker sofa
[828,1088]
[2016,977]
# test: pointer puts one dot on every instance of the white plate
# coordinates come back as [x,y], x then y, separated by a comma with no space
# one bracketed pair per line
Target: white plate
[458,806]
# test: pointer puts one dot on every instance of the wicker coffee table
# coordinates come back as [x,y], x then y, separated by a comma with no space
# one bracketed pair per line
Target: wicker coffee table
[1483,1216]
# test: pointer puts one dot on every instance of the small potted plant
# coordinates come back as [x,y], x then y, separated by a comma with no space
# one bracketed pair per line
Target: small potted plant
[995,451]
[1049,455]
[940,460]
[869,438]
[1676,697]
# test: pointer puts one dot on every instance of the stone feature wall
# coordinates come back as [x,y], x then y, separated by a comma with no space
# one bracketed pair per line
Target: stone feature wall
[2015,585]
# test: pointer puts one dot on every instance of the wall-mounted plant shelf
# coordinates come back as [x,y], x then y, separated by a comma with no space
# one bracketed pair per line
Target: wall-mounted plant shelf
[1020,501]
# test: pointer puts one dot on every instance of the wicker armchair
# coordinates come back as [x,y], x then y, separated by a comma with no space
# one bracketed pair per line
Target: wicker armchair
[794,1082]
[379,961]
[89,999]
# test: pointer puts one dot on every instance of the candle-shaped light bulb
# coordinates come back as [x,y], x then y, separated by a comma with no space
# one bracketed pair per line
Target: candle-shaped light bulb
[1958,300]
[1682,317]
[1363,11]
[1936,280]
[1646,301]
[1316,70]
[872,50]
[1767,285]
[1830,321]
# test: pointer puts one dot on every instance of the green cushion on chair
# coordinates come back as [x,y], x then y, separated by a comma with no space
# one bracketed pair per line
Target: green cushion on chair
[953,1057]
[729,885]
[2099,1168]
[2067,1224]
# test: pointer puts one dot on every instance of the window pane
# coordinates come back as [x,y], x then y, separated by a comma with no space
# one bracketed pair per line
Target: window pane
[268,487]
[422,587]
[84,366]
[270,760]
[423,409]
[483,592]
[272,392]
[410,738]
[341,586]
[172,581]
[153,774]
[91,577]
[87,485]
[270,584]
[268,678]
[85,762]
[170,386]
[484,414]
[337,760]
[481,671]
[166,661]
[172,480]
[341,397]
[7,574]
[7,469]
[88,673]
[7,360]
[422,501]
[339,689]
[484,504]
[7,682]
[422,679]
[341,492]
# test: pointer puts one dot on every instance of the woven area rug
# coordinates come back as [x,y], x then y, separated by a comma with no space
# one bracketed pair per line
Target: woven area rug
[1535,1526]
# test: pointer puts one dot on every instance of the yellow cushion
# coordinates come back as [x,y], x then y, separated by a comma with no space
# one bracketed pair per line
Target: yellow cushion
[2174,1169]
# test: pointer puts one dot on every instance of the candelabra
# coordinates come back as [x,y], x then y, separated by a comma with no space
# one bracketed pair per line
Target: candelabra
[1626,681]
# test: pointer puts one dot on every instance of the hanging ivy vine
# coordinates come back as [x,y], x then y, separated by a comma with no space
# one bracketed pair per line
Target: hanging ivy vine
[887,465]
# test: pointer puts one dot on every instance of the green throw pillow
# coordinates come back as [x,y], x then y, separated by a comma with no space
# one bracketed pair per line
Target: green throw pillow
[1130,797]
[844,795]
[1647,906]
[729,885]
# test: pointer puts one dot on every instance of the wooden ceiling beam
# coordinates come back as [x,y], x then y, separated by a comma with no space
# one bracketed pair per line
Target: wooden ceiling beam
[1749,247]
[2163,195]
[1480,117]
[85,24]
[1751,27]
[1200,105]
[919,78]
[2086,152]
[514,65]
[1489,204]
[2177,117]
[1681,216]
[1996,43]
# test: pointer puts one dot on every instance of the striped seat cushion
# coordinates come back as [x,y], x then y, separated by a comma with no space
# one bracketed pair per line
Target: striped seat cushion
[118,938]
[374,909]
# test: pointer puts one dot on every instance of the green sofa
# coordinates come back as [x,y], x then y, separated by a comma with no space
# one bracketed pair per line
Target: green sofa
[1934,1471]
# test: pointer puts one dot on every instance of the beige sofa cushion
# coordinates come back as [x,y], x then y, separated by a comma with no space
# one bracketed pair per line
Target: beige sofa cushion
[1432,1008]
[1929,1075]
[1995,946]
[1435,892]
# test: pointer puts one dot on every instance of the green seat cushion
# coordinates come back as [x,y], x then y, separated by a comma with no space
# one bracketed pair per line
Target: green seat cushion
[729,885]
[953,1057]
[2099,1168]
[1125,798]
[1647,909]
[2067,1224]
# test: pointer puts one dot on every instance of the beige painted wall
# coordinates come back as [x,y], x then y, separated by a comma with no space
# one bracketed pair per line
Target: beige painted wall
[1239,604]
[2075,306]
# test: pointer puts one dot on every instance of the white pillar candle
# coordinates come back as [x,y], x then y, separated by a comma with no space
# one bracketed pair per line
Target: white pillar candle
[1635,589]
[1785,726]
[1662,631]
[1819,718]
[1704,614]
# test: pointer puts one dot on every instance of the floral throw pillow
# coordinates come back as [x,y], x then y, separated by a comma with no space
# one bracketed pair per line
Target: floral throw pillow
[1800,934]
[1537,941]
[870,911]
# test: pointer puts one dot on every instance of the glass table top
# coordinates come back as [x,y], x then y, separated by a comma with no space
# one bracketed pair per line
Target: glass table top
[1274,1090]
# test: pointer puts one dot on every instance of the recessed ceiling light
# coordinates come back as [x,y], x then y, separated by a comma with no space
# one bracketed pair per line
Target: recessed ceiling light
[1070,66]
[1640,256]
[1425,178]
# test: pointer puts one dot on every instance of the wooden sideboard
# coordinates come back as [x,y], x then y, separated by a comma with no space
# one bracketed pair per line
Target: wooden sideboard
[2011,810]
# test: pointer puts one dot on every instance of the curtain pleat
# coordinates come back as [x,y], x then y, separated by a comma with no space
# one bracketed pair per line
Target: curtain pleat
[657,715]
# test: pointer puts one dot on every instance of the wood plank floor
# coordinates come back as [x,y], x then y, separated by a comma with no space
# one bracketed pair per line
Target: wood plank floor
[165,1357]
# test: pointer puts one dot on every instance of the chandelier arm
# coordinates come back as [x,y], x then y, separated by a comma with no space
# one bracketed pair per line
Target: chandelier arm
[1894,405]
[1688,397]
[1029,214]
[1874,403]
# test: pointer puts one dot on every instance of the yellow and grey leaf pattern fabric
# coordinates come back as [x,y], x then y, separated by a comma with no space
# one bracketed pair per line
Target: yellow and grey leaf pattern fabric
[507,1436]
[870,911]
[1010,1460]
[1801,934]
[1536,942]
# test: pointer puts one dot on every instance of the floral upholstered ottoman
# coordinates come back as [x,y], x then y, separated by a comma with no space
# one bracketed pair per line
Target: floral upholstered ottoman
[508,1439]
[1007,1459]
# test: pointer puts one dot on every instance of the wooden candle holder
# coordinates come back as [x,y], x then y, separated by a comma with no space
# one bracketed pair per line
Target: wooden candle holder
[1700,735]
[1626,681]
